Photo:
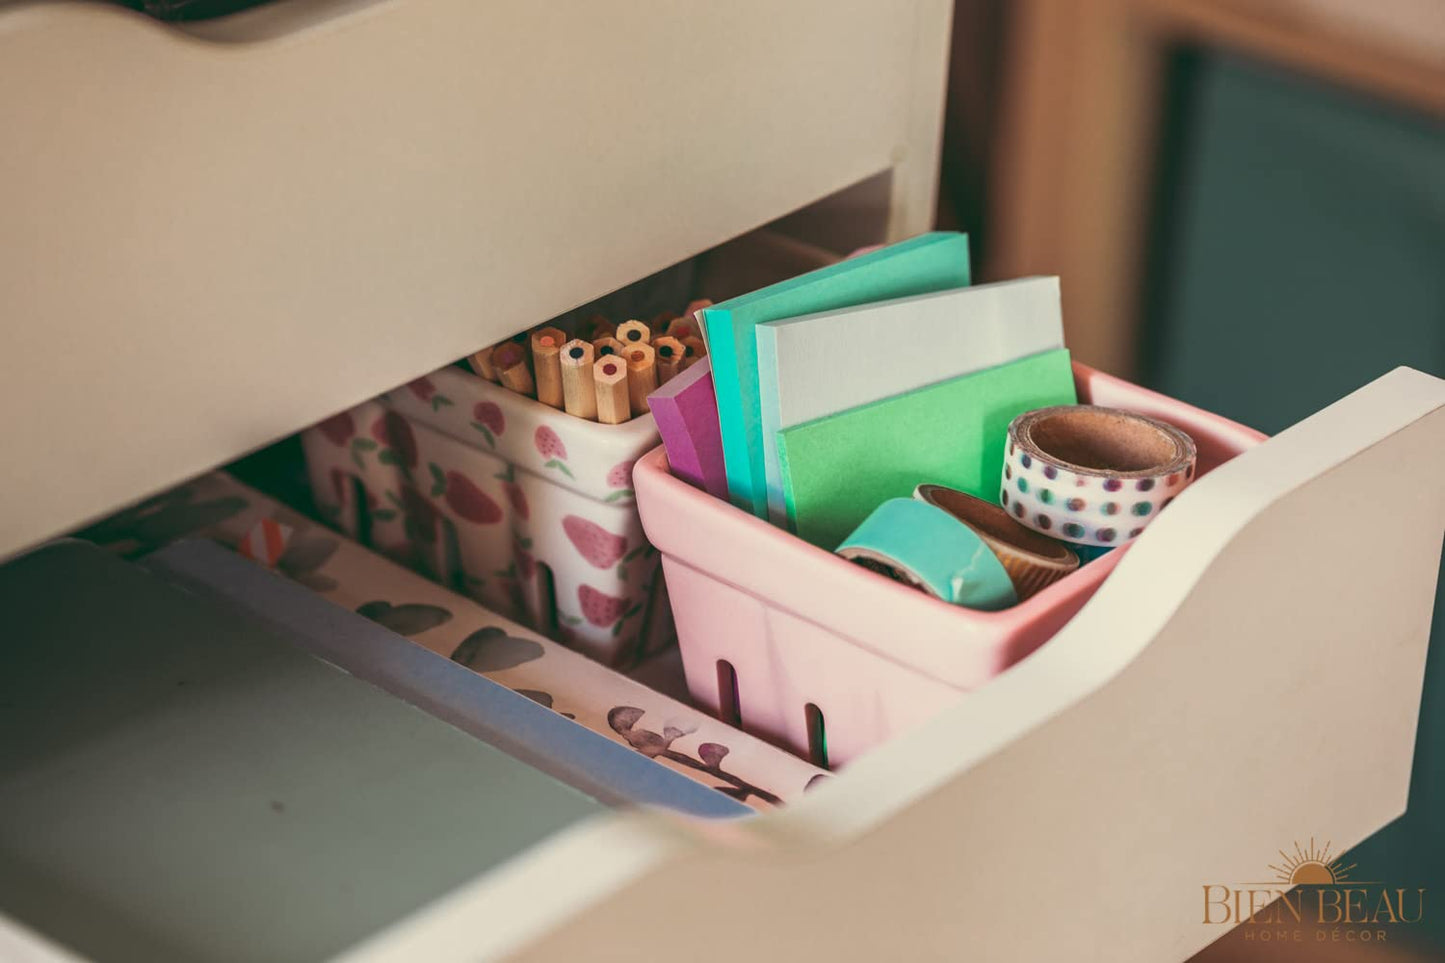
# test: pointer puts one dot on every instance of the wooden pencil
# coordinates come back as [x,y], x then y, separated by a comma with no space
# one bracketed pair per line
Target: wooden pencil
[597,327]
[609,374]
[641,375]
[510,360]
[605,346]
[481,363]
[694,349]
[579,392]
[689,325]
[683,327]
[670,353]
[633,332]
[547,363]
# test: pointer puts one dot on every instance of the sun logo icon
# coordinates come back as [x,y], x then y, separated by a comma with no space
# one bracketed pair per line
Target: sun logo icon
[1311,867]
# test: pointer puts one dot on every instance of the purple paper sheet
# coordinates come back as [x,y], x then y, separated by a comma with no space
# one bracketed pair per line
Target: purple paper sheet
[686,413]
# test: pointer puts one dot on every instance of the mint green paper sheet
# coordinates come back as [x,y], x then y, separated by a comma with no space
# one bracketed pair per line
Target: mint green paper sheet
[837,469]
[927,263]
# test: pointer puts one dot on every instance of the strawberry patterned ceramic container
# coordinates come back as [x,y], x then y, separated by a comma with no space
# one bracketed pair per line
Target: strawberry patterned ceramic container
[520,506]
[807,650]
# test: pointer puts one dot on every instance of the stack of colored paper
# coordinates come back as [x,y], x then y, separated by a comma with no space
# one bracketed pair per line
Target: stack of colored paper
[844,387]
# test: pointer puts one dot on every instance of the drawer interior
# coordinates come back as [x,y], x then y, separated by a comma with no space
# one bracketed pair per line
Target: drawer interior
[180,782]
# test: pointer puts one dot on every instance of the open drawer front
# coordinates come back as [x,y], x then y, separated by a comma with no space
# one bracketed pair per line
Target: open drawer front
[1260,647]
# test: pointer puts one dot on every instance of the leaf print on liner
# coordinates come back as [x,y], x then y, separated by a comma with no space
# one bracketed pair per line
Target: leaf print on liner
[163,519]
[543,699]
[306,553]
[410,618]
[491,649]
[624,719]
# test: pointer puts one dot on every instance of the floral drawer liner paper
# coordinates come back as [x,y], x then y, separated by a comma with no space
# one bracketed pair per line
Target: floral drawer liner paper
[685,739]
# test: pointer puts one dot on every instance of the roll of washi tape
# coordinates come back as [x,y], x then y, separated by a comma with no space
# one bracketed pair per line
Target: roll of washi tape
[1092,475]
[925,547]
[1032,560]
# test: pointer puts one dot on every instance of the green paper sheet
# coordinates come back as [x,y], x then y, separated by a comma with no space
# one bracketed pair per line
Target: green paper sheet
[920,265]
[837,469]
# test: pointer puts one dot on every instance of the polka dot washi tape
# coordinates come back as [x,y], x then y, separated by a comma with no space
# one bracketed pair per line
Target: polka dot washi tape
[1092,475]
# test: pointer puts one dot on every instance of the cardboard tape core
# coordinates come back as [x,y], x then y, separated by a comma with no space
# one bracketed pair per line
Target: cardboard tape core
[1101,439]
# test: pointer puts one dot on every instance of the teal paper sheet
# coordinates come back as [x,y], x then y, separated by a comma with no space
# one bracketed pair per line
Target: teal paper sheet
[927,263]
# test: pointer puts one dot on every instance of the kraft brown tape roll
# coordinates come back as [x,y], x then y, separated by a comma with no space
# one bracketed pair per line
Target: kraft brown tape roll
[1092,475]
[1033,561]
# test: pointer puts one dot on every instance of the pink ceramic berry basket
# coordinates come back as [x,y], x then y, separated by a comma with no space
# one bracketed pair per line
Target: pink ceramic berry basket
[520,506]
[827,659]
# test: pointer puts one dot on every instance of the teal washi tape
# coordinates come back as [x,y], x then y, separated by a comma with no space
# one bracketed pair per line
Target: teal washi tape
[924,546]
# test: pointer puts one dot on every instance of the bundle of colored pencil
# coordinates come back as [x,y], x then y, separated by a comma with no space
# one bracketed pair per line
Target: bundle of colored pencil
[603,375]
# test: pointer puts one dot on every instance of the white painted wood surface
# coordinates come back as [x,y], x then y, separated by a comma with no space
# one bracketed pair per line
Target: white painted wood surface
[214,237]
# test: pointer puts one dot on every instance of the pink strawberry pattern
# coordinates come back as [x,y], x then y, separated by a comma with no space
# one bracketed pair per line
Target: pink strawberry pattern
[620,478]
[518,498]
[599,608]
[515,495]
[488,419]
[594,543]
[550,447]
[603,610]
[426,391]
[464,497]
[392,431]
[338,429]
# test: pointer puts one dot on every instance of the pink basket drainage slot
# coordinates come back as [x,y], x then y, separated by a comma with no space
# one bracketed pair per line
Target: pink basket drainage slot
[803,648]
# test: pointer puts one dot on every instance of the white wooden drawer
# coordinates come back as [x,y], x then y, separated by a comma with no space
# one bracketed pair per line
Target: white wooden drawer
[215,237]
[1249,675]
